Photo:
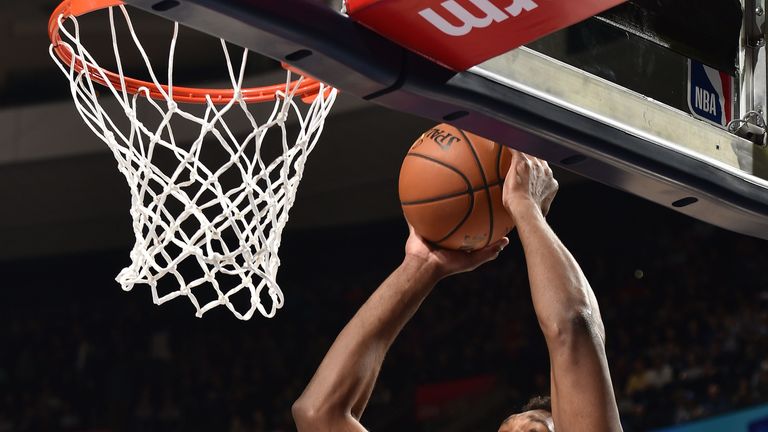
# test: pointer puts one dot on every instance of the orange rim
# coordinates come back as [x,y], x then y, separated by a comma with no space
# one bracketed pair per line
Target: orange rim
[307,91]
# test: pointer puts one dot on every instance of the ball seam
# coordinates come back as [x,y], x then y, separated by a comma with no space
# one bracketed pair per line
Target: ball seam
[485,183]
[469,187]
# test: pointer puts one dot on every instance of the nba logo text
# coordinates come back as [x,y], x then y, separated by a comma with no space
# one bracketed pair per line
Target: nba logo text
[709,94]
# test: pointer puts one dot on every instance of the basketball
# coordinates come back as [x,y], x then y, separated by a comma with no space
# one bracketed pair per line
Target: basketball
[451,184]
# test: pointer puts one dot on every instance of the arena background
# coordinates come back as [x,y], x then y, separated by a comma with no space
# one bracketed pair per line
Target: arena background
[684,303]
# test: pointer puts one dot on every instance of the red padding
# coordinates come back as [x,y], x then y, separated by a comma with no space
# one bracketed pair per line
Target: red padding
[463,33]
[432,398]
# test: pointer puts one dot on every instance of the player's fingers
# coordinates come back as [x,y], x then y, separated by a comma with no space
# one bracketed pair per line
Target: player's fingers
[512,171]
[500,244]
[552,187]
[523,169]
[547,169]
[490,252]
[547,204]
[537,174]
[517,157]
[538,167]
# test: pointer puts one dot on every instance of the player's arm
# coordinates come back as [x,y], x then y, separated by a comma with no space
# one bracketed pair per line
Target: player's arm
[566,307]
[336,396]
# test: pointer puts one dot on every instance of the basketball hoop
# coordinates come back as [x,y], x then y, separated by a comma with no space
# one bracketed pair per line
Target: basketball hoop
[235,228]
[70,9]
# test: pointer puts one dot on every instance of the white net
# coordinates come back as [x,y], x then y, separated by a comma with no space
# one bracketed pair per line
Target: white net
[208,231]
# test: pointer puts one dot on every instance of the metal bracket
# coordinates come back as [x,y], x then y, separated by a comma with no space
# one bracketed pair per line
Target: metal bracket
[751,127]
[753,73]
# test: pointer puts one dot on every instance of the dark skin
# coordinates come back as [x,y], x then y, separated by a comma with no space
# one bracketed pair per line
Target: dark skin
[566,308]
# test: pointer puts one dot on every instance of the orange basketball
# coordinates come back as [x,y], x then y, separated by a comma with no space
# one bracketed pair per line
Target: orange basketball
[450,188]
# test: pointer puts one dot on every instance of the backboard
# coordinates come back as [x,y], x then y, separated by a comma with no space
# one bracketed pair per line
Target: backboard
[625,98]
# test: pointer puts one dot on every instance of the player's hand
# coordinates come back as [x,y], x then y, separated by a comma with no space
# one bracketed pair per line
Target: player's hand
[529,184]
[449,262]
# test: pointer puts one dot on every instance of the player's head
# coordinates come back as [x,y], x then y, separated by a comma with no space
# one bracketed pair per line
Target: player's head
[536,416]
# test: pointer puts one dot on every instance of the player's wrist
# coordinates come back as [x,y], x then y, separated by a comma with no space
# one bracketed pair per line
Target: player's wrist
[524,211]
[519,204]
[425,265]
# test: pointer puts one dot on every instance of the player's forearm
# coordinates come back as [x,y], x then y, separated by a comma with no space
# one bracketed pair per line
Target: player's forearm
[345,378]
[378,322]
[561,294]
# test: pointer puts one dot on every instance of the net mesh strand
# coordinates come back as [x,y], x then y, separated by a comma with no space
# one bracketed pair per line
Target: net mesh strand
[236,229]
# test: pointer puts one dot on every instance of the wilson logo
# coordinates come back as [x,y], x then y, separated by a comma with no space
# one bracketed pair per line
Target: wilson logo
[488,14]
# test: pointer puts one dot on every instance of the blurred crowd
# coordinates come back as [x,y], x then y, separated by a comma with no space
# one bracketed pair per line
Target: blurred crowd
[685,307]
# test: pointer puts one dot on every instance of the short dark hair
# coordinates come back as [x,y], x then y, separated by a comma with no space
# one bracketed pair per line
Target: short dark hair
[539,403]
